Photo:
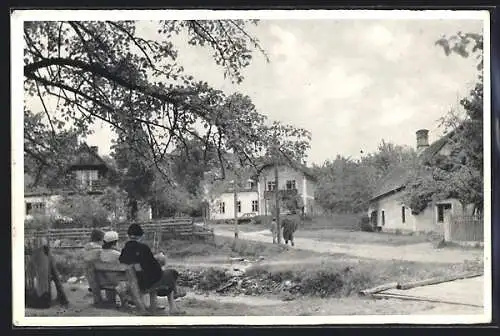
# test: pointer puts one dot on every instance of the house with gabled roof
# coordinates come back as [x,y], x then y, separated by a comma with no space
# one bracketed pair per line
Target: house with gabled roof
[87,173]
[257,196]
[387,210]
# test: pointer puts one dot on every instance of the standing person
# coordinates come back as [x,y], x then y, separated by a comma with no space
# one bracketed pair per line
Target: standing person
[149,271]
[274,230]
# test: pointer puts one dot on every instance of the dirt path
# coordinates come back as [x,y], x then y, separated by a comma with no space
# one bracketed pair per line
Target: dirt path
[423,252]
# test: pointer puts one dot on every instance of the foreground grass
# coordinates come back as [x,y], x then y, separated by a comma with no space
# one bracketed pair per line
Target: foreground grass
[341,278]
[303,272]
[210,306]
[223,246]
[69,262]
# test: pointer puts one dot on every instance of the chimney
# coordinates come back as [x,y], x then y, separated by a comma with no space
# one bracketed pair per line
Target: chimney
[94,149]
[422,140]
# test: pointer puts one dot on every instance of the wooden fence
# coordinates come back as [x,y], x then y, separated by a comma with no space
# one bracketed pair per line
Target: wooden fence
[465,229]
[170,228]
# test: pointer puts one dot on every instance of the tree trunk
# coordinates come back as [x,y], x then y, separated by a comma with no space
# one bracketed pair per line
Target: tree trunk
[133,209]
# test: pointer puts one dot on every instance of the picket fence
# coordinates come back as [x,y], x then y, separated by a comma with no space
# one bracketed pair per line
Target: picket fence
[466,229]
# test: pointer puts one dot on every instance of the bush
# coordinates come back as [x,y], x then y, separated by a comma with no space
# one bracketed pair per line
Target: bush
[365,224]
[38,222]
[85,210]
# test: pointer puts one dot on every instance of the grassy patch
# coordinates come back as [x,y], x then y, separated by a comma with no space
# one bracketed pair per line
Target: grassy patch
[223,246]
[361,237]
[69,262]
[348,222]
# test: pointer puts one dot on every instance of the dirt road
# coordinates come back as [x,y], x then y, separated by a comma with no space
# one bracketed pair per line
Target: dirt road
[422,252]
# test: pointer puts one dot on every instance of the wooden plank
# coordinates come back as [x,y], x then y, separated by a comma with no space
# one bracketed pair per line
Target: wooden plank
[437,280]
[106,267]
[93,284]
[417,298]
[134,289]
[380,288]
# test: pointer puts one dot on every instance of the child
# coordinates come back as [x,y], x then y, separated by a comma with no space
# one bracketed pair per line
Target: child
[109,252]
[93,248]
[274,230]
[148,269]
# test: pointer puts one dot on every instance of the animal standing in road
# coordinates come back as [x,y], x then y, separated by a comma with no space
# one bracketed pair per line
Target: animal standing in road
[289,226]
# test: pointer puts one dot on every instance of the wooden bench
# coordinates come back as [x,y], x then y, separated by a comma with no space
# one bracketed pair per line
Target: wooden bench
[105,276]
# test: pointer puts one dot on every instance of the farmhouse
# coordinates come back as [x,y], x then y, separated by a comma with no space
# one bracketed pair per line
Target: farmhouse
[387,211]
[87,173]
[258,195]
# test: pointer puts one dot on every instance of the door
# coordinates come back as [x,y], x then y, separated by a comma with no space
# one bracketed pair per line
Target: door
[373,218]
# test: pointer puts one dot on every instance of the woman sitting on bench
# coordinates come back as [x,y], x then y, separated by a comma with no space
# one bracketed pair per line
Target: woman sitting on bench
[148,270]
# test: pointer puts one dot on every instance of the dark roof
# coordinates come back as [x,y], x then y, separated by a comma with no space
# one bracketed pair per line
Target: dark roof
[85,156]
[300,167]
[393,181]
[397,178]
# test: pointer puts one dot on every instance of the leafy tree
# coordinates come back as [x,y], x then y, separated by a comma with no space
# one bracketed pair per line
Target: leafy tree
[459,175]
[114,200]
[105,70]
[47,152]
[346,185]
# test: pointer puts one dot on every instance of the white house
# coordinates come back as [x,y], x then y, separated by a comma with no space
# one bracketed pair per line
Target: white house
[257,198]
[387,212]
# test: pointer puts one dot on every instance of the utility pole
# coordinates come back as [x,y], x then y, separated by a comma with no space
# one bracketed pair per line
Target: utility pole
[276,194]
[235,196]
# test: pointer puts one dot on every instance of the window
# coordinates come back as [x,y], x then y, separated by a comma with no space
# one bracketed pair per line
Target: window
[271,185]
[383,217]
[441,210]
[290,185]
[255,206]
[403,214]
[35,207]
[238,205]
[86,177]
[251,184]
[222,207]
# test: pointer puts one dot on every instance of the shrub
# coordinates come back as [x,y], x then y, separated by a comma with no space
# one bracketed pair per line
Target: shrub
[38,222]
[85,210]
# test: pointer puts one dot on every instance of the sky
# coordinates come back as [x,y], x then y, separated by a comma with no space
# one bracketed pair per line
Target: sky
[351,83]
